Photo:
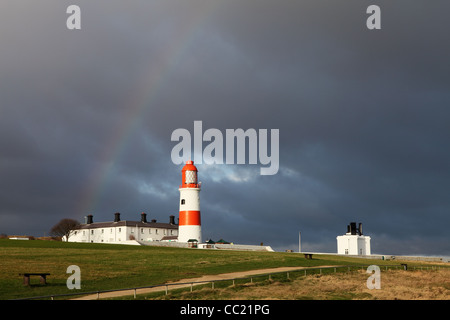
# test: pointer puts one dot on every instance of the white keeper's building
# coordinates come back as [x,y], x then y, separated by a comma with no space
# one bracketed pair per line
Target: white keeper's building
[353,242]
[120,231]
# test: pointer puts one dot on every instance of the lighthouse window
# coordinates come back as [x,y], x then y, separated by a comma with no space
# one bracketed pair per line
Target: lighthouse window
[183,201]
[191,177]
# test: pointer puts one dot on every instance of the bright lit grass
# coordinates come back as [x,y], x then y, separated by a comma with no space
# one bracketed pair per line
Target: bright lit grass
[107,266]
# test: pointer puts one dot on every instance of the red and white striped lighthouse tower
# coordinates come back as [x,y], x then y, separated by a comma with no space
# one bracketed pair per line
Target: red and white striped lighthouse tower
[189,220]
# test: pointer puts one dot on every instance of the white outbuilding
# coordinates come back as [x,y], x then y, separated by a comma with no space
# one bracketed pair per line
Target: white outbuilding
[353,242]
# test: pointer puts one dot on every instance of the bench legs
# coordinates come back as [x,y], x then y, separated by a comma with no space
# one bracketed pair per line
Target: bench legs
[26,279]
[43,279]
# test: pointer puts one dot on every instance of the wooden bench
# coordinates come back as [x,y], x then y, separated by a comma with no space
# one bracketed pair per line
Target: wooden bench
[308,255]
[26,277]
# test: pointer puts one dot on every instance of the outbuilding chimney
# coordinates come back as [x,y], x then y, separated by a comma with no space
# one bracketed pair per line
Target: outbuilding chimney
[116,217]
[172,219]
[89,219]
[353,228]
[144,217]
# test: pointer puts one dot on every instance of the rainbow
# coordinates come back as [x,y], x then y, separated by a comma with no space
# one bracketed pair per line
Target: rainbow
[146,90]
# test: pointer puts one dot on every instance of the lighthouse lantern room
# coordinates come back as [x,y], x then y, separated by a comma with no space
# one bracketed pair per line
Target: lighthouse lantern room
[189,227]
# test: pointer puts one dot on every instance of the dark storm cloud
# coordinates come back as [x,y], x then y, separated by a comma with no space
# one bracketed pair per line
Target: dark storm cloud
[86,116]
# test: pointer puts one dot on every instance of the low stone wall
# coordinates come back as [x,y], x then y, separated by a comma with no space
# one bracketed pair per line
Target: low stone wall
[218,246]
[420,258]
[164,244]
[242,247]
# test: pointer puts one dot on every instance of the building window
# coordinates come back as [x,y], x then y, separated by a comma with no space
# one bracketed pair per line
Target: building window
[142,230]
[346,251]
[92,231]
[156,231]
[183,201]
[103,230]
[120,229]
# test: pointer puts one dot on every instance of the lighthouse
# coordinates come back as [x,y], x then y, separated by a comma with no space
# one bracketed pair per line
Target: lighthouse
[189,226]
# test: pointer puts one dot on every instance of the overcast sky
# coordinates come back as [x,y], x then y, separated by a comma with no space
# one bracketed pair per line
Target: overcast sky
[86,117]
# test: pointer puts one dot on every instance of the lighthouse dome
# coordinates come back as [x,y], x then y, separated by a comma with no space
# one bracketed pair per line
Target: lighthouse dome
[189,175]
[189,166]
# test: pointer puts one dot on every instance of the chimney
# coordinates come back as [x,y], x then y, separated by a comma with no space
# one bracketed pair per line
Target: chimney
[144,217]
[172,219]
[353,228]
[89,219]
[116,217]
[360,229]
[153,220]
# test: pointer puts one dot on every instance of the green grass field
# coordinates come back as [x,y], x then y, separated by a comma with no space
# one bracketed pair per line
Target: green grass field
[108,266]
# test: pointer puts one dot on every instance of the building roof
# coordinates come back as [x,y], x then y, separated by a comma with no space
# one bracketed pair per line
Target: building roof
[126,223]
[169,238]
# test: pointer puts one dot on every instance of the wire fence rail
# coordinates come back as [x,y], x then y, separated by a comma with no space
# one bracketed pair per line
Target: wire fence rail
[302,271]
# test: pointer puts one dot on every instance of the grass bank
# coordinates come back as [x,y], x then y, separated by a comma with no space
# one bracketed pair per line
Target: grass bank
[108,266]
[395,285]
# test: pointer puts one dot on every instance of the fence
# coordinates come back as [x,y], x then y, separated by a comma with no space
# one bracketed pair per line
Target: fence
[302,271]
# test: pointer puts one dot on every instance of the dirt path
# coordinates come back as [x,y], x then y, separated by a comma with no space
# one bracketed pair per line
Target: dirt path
[223,276]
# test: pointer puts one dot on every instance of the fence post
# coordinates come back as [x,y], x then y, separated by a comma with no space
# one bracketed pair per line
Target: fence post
[135,293]
[167,290]
[212,285]
[287,275]
[192,285]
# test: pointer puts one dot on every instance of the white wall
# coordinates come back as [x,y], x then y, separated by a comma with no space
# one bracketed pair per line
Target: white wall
[353,245]
[120,233]
[191,198]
